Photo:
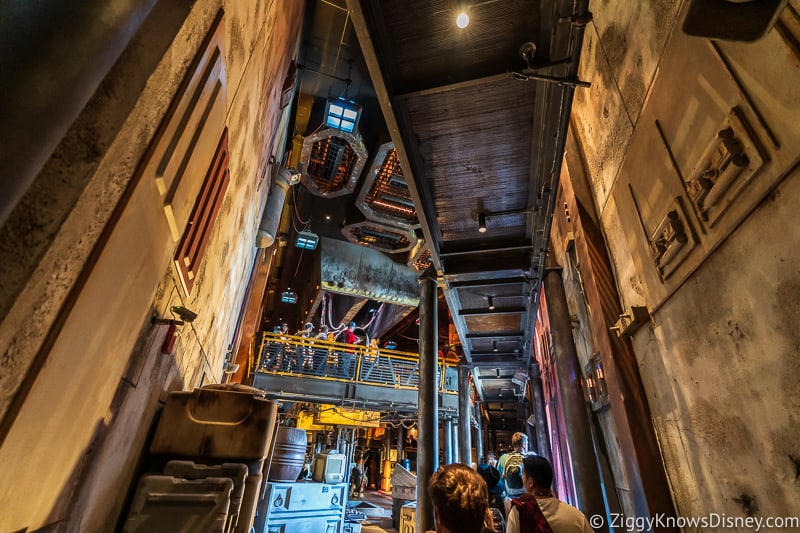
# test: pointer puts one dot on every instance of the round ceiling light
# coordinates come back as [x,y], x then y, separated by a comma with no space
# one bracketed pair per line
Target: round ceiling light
[462,20]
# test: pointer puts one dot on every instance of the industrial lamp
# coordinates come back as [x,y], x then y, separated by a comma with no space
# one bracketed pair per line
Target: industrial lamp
[342,114]
[289,297]
[306,240]
[481,222]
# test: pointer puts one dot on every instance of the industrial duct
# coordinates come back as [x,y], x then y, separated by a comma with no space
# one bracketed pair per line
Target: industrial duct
[268,229]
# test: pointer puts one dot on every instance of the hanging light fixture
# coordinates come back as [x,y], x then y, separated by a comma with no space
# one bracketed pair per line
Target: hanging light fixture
[491,303]
[494,346]
[481,222]
[306,240]
[289,296]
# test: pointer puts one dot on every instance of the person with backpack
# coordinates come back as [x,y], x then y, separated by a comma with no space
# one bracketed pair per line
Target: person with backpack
[510,465]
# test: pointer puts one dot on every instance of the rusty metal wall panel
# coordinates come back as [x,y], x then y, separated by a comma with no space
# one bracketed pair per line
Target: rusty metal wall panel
[351,269]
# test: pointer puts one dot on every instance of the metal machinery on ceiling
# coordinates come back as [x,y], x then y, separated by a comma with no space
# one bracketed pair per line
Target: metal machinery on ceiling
[477,118]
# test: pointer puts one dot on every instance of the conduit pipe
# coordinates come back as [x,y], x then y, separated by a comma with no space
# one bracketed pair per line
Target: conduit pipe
[268,229]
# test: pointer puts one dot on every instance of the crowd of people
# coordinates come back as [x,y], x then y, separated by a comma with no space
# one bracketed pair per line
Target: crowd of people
[467,500]
[299,356]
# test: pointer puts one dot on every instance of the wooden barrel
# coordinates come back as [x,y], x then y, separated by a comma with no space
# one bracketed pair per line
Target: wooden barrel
[288,455]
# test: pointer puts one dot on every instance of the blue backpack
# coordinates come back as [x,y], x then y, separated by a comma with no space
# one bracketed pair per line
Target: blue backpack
[512,474]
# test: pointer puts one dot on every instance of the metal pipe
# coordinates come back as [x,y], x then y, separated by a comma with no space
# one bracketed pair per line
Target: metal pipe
[464,424]
[480,455]
[454,437]
[270,220]
[428,400]
[576,418]
[448,441]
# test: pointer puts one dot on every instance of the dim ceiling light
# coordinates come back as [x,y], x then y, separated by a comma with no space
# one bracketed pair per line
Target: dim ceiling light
[491,303]
[481,222]
[462,20]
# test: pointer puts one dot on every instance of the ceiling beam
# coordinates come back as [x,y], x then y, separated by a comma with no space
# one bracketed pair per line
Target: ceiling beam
[496,335]
[487,282]
[495,311]
[497,250]
[398,129]
[486,80]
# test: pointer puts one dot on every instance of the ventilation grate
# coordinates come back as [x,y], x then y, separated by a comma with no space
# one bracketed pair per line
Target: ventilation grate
[389,194]
[331,164]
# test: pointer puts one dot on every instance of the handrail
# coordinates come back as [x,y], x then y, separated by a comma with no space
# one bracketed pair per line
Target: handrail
[292,355]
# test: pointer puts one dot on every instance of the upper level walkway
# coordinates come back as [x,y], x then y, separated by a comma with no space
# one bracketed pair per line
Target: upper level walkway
[295,368]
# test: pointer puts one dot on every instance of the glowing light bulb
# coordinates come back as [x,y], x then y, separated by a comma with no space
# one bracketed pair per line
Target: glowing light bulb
[462,21]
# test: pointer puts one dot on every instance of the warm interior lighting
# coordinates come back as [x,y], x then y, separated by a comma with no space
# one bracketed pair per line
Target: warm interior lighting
[462,20]
[481,222]
[491,303]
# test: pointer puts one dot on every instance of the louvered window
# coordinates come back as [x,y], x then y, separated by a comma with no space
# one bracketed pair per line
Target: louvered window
[193,244]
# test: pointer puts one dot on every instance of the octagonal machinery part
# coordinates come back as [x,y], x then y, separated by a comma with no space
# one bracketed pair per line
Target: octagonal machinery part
[389,239]
[331,162]
[385,196]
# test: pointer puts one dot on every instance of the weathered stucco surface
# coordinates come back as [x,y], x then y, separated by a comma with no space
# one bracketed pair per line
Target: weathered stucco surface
[721,366]
[71,452]
[719,360]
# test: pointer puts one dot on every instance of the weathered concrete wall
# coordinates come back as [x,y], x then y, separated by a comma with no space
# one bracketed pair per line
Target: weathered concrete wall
[88,362]
[719,360]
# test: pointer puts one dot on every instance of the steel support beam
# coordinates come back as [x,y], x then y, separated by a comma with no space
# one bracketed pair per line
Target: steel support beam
[448,440]
[428,439]
[576,418]
[464,423]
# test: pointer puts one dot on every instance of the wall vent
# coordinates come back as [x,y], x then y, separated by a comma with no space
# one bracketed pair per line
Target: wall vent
[193,244]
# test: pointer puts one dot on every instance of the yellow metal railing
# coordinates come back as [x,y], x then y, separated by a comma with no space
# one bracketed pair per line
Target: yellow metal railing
[290,355]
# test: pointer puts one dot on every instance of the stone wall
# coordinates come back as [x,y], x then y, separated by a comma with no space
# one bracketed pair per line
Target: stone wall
[85,367]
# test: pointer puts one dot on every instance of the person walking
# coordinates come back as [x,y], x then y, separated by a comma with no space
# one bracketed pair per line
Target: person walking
[460,500]
[538,510]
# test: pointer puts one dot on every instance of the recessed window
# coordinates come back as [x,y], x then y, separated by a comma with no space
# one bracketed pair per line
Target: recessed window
[595,381]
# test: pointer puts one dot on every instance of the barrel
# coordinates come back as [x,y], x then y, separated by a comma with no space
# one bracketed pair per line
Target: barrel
[288,454]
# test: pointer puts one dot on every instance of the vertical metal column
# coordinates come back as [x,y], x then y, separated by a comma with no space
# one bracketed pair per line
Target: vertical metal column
[454,437]
[480,455]
[448,441]
[400,438]
[537,395]
[428,438]
[576,418]
[464,422]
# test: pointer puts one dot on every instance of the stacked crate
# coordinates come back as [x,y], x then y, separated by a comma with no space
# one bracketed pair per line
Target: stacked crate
[207,459]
